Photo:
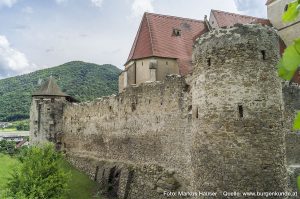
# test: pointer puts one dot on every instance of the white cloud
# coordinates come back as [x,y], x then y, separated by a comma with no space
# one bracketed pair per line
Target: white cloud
[7,3]
[251,7]
[140,6]
[12,61]
[97,3]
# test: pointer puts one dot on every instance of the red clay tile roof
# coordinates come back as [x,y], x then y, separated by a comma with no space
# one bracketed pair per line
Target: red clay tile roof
[21,143]
[224,19]
[154,39]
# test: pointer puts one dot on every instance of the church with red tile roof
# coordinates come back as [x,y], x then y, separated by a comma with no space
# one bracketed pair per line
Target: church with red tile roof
[163,45]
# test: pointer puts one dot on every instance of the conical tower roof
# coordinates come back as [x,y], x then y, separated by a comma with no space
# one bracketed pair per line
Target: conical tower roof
[49,88]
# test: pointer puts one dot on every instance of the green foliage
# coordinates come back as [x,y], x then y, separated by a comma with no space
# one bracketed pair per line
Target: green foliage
[79,185]
[296,125]
[7,163]
[291,11]
[22,125]
[39,175]
[8,147]
[298,182]
[290,61]
[84,81]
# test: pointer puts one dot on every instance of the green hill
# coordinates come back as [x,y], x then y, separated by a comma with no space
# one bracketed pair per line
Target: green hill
[83,81]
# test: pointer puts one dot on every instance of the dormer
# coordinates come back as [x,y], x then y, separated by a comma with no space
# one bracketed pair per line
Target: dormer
[176,32]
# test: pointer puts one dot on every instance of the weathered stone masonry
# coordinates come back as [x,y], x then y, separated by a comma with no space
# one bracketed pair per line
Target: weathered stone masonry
[237,98]
[222,131]
[47,119]
[145,126]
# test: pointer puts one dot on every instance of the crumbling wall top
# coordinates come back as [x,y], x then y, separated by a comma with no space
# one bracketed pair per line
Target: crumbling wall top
[238,33]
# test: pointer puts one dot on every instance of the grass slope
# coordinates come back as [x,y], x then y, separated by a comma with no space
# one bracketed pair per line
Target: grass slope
[6,166]
[84,81]
[80,186]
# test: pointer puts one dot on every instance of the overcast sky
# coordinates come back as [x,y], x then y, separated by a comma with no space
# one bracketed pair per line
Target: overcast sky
[37,34]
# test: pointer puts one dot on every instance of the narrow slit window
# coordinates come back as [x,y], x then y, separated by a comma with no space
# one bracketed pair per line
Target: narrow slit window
[196,113]
[263,53]
[96,173]
[241,111]
[209,61]
[133,107]
[39,117]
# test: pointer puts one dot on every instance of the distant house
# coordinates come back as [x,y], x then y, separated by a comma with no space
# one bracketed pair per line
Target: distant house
[163,45]
[5,125]
[15,137]
[287,31]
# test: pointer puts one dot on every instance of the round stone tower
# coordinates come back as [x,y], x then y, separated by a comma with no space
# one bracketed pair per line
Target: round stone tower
[237,111]
[46,113]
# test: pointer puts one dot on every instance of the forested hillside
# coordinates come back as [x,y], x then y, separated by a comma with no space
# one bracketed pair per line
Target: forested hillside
[83,81]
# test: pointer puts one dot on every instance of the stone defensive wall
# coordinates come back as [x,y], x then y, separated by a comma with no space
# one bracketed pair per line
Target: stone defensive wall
[291,96]
[146,127]
[221,129]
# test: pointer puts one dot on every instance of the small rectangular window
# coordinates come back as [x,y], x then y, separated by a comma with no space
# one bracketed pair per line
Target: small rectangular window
[263,53]
[209,61]
[241,111]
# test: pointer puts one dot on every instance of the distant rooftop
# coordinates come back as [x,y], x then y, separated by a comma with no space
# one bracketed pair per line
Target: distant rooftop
[226,19]
[49,88]
[173,37]
[168,37]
